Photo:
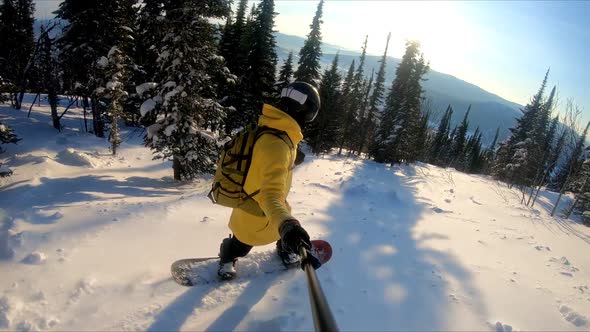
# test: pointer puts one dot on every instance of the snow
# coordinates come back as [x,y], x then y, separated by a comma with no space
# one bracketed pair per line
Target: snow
[147,106]
[112,51]
[102,62]
[142,88]
[72,157]
[35,258]
[415,247]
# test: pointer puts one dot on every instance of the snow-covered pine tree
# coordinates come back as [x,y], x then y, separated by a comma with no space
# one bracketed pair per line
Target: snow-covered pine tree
[398,135]
[285,73]
[513,163]
[374,113]
[149,35]
[322,134]
[309,66]
[7,136]
[116,74]
[84,42]
[17,36]
[570,168]
[554,149]
[581,188]
[186,103]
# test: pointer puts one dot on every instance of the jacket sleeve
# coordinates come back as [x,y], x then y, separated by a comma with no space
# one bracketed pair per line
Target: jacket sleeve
[272,159]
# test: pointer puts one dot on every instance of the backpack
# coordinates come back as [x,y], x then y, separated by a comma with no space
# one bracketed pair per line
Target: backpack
[232,169]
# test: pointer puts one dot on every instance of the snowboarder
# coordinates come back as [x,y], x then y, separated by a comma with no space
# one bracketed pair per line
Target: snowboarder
[270,175]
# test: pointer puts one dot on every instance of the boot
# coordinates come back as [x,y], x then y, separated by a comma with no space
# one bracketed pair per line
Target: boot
[227,264]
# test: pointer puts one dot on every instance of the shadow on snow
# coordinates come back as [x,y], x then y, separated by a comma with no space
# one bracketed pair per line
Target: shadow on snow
[381,277]
[27,201]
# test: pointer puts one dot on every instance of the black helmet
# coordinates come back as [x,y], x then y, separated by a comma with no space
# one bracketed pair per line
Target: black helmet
[301,101]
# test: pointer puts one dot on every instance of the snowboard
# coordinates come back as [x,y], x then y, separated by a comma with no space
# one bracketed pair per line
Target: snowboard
[197,271]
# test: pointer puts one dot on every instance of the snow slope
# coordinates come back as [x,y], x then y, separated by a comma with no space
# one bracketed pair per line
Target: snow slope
[87,239]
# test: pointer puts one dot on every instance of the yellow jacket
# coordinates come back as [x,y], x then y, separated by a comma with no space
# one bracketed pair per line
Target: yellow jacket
[271,171]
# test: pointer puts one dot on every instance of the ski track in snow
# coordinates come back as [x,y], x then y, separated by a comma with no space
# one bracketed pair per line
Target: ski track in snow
[87,239]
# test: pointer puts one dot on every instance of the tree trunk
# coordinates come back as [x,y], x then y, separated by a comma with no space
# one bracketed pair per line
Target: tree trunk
[85,106]
[97,123]
[176,166]
[52,97]
[33,103]
[15,101]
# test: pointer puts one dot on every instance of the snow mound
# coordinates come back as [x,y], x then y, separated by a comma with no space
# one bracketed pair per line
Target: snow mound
[9,237]
[572,316]
[35,258]
[9,307]
[5,171]
[72,157]
[500,327]
[22,159]
[565,267]
[84,286]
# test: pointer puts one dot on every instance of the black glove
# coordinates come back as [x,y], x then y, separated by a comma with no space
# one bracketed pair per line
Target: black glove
[293,236]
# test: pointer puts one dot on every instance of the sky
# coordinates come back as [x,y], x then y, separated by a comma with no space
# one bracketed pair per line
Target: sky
[504,47]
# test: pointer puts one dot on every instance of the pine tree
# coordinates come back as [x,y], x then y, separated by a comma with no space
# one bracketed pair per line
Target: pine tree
[441,137]
[422,136]
[233,45]
[48,71]
[353,94]
[150,34]
[116,74]
[85,42]
[345,101]
[16,34]
[516,156]
[458,145]
[257,84]
[582,192]
[573,163]
[286,73]
[398,134]
[374,114]
[322,134]
[7,136]
[489,153]
[473,159]
[308,69]
[186,102]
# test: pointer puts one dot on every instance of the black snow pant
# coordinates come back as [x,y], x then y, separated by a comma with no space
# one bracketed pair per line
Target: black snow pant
[231,248]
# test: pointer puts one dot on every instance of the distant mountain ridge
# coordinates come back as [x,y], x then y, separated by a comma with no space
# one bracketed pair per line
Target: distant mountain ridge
[488,111]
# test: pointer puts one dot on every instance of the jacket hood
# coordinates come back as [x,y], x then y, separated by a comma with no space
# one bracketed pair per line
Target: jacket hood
[275,118]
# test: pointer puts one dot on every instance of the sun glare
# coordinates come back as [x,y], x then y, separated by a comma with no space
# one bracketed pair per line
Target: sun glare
[439,26]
